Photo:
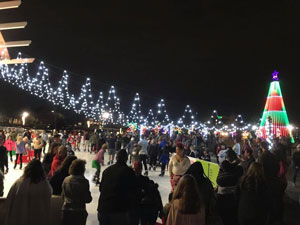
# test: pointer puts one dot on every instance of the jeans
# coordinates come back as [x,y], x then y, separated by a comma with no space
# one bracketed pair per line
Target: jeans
[77,217]
[163,167]
[143,159]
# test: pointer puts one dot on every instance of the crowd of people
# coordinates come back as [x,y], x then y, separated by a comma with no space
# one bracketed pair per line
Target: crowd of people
[249,188]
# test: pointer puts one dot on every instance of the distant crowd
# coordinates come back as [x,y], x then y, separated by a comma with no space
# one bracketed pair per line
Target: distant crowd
[249,190]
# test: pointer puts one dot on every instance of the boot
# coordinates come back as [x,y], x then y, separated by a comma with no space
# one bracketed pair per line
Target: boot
[146,173]
[161,174]
[20,166]
[150,168]
[15,165]
[154,168]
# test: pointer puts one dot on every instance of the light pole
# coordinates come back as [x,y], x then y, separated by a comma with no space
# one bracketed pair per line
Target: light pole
[24,115]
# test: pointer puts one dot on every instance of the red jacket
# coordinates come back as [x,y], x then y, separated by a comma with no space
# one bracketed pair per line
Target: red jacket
[57,161]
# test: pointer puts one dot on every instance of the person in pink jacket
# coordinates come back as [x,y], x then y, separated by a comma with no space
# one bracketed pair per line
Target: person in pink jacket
[10,146]
[98,162]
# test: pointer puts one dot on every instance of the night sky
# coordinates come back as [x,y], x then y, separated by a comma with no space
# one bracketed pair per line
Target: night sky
[209,54]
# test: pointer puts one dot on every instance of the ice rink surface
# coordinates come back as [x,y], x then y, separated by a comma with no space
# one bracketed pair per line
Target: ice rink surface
[163,182]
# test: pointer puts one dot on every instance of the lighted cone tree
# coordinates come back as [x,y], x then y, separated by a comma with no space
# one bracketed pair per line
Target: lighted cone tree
[275,122]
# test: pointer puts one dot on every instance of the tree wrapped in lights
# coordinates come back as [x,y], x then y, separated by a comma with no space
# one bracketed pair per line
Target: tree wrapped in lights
[61,95]
[98,109]
[112,106]
[187,120]
[135,114]
[150,119]
[162,117]
[274,120]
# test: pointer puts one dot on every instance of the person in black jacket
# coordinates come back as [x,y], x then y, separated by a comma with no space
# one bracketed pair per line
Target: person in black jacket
[254,198]
[3,156]
[227,181]
[118,190]
[60,174]
[150,204]
[153,152]
[296,163]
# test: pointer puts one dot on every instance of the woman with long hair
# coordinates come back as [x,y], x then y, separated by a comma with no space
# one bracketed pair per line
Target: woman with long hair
[207,191]
[187,207]
[28,200]
[253,197]
[178,165]
[20,149]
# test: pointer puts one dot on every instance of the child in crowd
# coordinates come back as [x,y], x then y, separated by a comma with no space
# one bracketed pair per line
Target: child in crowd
[10,146]
[98,162]
[164,160]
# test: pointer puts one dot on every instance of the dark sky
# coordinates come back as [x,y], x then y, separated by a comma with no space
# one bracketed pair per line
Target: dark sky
[209,54]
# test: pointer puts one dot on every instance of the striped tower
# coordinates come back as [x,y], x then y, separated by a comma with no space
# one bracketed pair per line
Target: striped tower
[275,122]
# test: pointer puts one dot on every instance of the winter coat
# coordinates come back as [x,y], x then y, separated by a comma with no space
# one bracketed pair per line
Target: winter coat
[20,148]
[10,145]
[153,150]
[254,206]
[57,180]
[76,193]
[28,203]
[3,156]
[118,189]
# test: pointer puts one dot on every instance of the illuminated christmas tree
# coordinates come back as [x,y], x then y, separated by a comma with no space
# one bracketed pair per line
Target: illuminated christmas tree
[275,122]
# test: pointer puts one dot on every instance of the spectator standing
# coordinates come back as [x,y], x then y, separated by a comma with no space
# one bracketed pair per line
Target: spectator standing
[28,200]
[153,154]
[118,193]
[164,160]
[178,165]
[76,193]
[45,139]
[237,147]
[296,163]
[187,207]
[60,174]
[111,149]
[150,204]
[254,199]
[3,156]
[86,141]
[38,145]
[58,159]
[143,153]
[10,146]
[20,150]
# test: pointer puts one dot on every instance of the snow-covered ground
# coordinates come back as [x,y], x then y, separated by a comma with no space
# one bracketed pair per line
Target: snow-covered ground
[164,184]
